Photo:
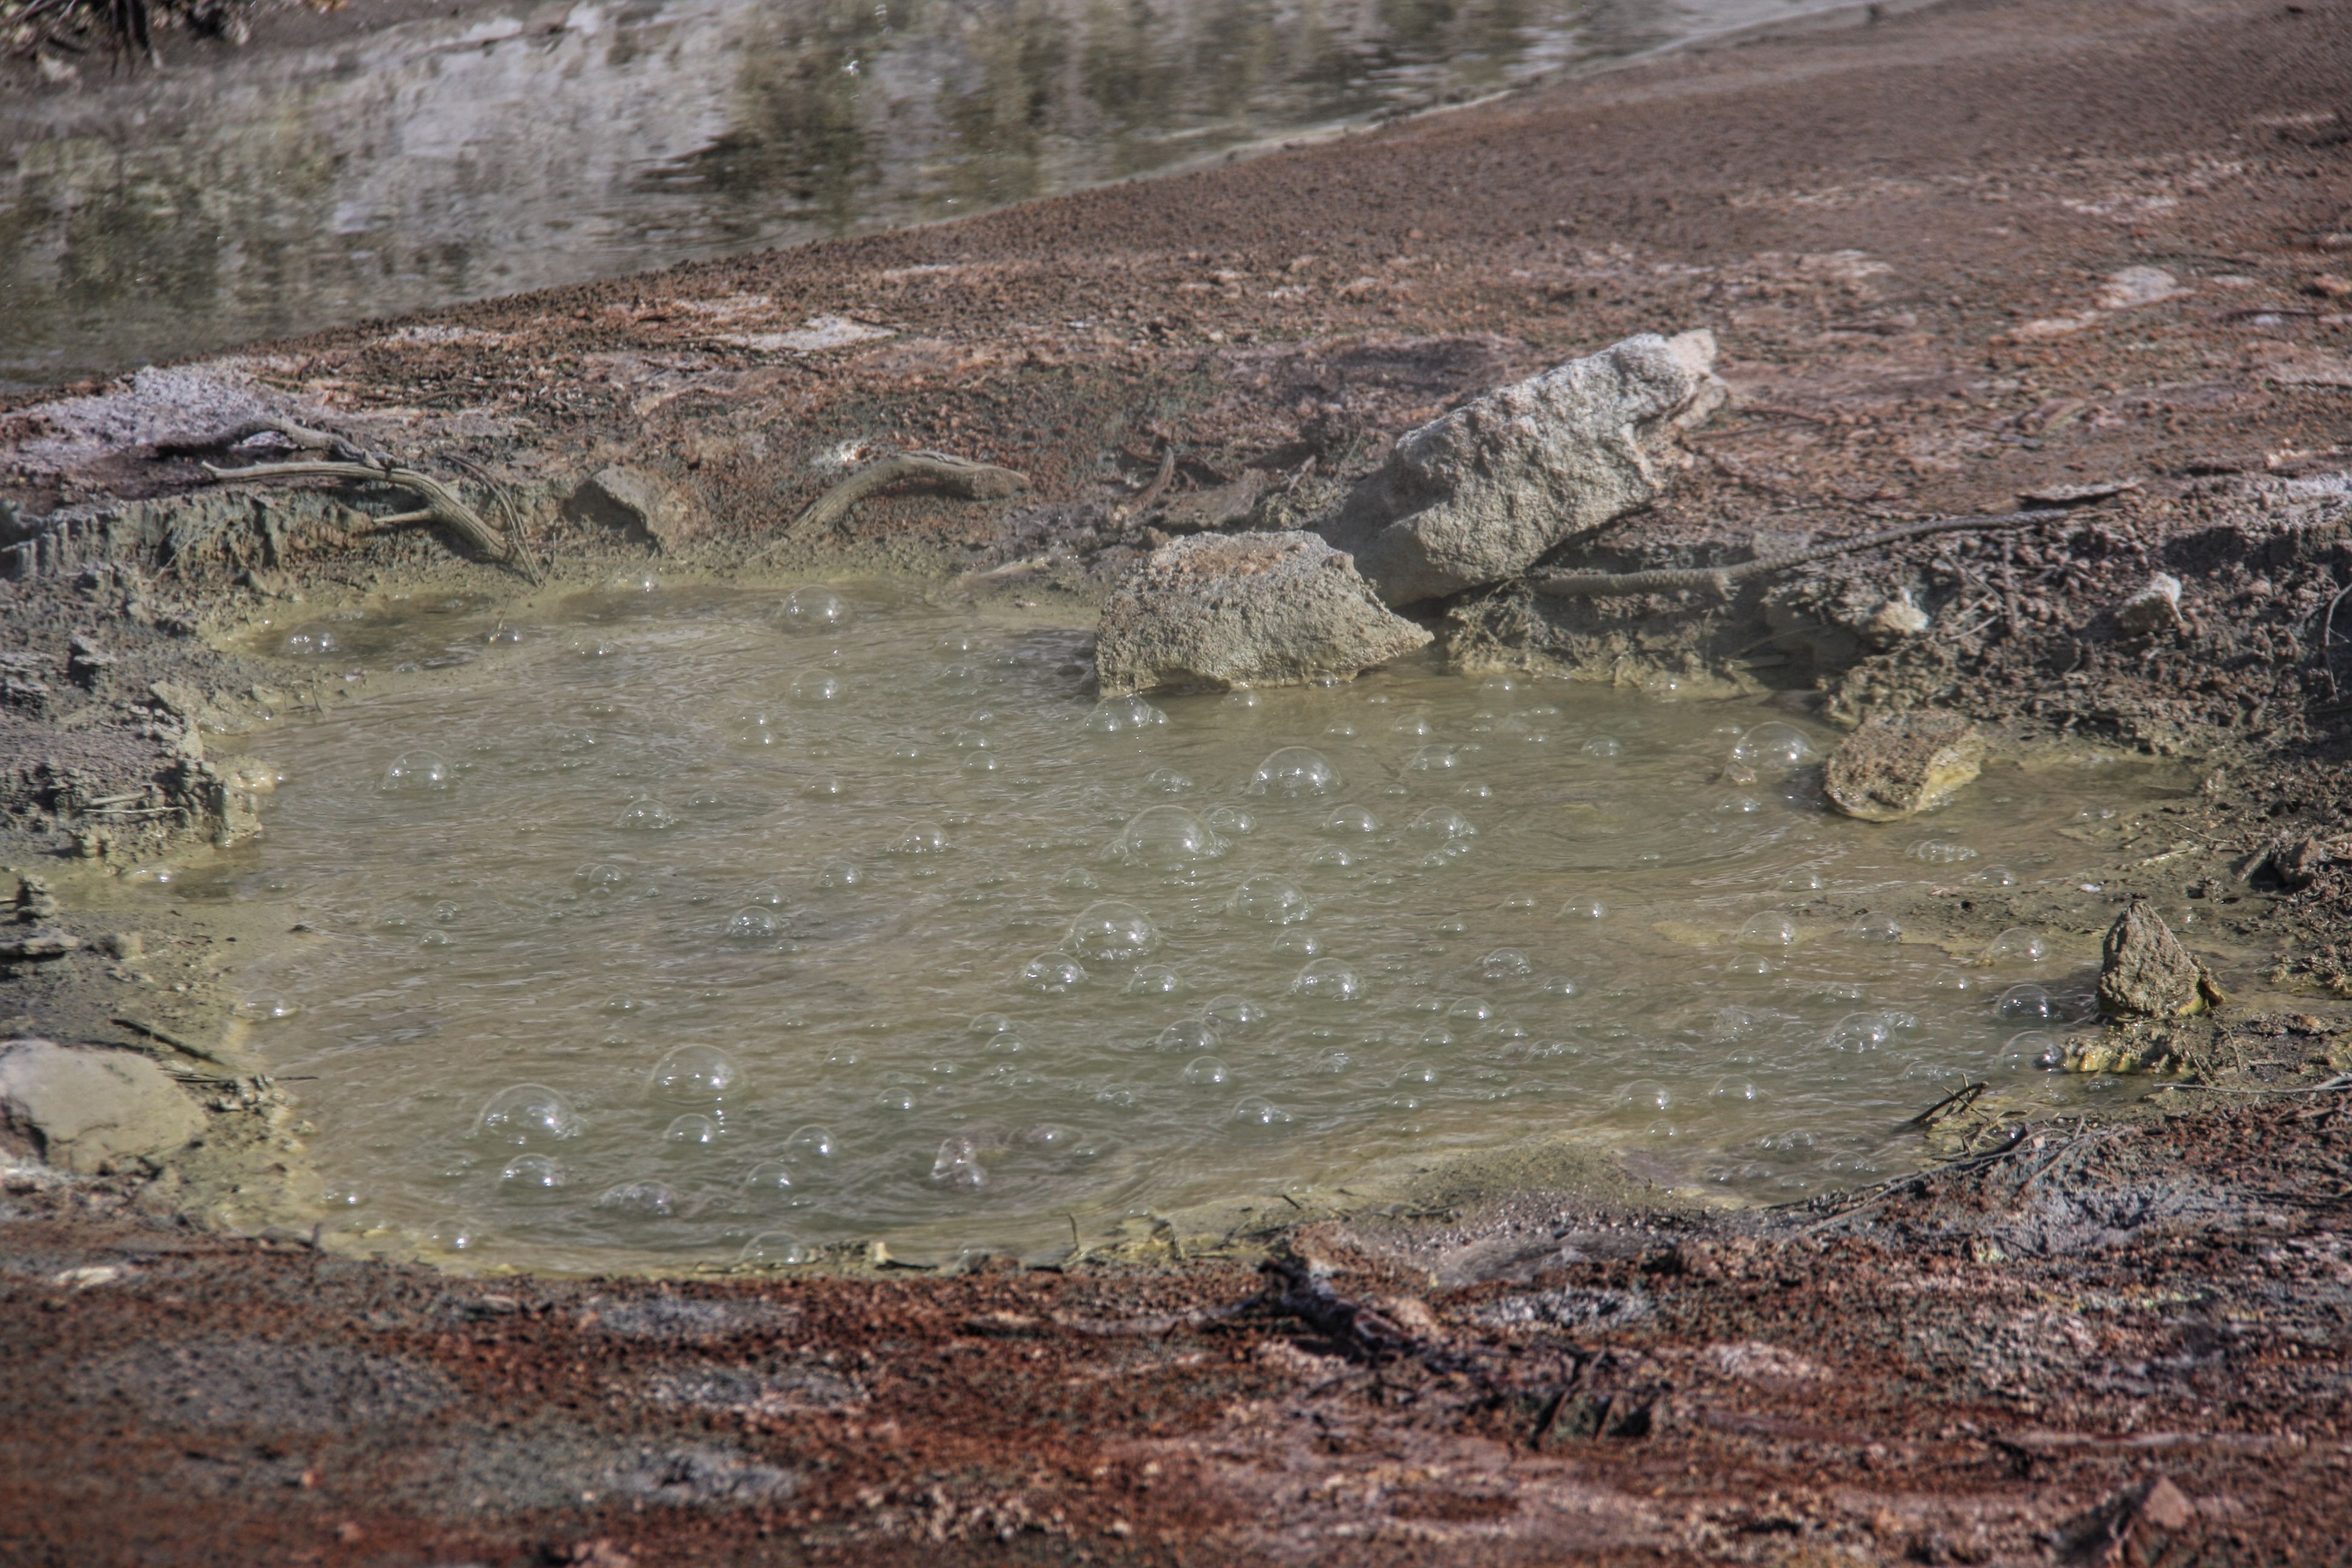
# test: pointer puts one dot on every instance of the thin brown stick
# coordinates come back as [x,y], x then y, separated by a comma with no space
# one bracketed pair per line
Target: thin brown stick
[1599,584]
[441,502]
[960,476]
[1144,499]
[301,436]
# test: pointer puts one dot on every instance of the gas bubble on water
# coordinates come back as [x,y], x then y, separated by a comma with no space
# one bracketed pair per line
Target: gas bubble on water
[1167,781]
[1332,857]
[646,815]
[1118,715]
[1748,963]
[957,1163]
[920,838]
[1953,980]
[417,770]
[1340,729]
[1564,986]
[1293,772]
[1165,837]
[2018,944]
[1734,1091]
[1584,908]
[1644,1096]
[1350,821]
[691,1127]
[809,1148]
[1004,1045]
[1433,760]
[1470,1009]
[1940,852]
[1187,1034]
[528,1113]
[894,1099]
[840,874]
[1860,1032]
[767,894]
[813,610]
[773,1249]
[1254,1110]
[1738,806]
[263,1006]
[1113,932]
[753,924]
[1205,1071]
[1441,825]
[1233,1013]
[1993,877]
[639,1200]
[1415,1073]
[2032,1050]
[1774,745]
[1603,746]
[1328,980]
[694,1075]
[534,1172]
[990,1023]
[1232,820]
[2027,1004]
[825,789]
[1298,944]
[1154,980]
[1506,963]
[1875,928]
[1770,929]
[1272,899]
[768,1179]
[1053,974]
[816,686]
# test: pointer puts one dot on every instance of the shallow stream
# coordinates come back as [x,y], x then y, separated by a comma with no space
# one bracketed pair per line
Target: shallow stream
[686,925]
[513,144]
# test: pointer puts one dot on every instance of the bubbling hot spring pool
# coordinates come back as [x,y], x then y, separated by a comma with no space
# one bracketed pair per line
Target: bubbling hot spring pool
[705,925]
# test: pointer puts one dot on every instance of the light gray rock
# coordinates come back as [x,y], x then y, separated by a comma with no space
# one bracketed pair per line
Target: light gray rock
[2145,973]
[634,504]
[1251,609]
[2155,607]
[1898,764]
[89,1110]
[1477,496]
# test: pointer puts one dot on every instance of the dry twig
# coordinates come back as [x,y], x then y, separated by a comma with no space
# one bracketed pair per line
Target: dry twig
[1599,584]
[960,476]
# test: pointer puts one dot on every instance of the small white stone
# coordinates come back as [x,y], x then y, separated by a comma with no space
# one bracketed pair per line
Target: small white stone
[2155,608]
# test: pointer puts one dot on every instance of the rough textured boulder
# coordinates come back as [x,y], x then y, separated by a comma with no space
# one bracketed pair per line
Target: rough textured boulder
[1898,764]
[633,504]
[2145,973]
[1477,496]
[89,1110]
[1252,609]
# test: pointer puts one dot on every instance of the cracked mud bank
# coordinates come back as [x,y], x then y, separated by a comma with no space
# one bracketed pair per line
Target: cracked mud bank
[1984,252]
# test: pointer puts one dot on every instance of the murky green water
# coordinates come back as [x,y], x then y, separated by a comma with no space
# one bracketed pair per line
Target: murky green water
[512,146]
[840,916]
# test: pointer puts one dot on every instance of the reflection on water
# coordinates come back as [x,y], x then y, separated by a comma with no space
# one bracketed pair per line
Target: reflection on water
[605,932]
[505,148]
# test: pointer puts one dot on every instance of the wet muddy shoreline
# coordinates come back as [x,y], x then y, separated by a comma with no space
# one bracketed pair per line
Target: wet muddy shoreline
[2131,1332]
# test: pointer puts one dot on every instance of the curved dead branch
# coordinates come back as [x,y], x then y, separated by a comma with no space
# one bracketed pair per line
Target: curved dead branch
[442,504]
[301,436]
[959,476]
[1602,584]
